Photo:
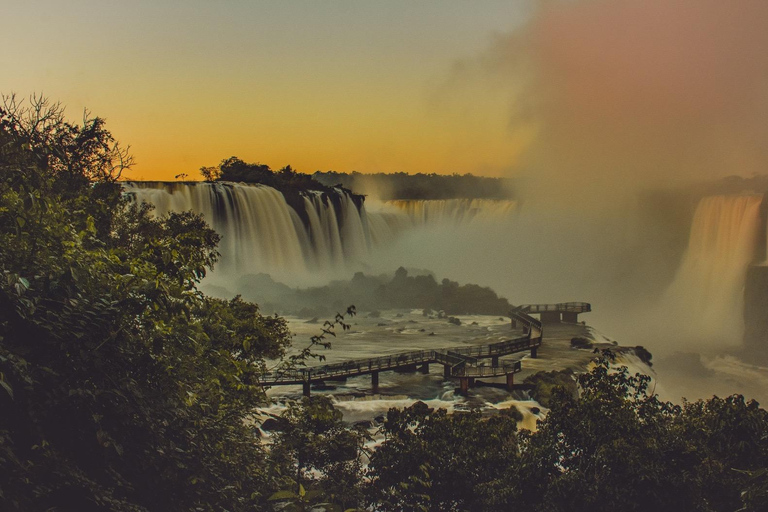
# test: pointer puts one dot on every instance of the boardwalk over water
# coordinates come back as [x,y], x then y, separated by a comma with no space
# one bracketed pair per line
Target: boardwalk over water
[462,363]
[555,313]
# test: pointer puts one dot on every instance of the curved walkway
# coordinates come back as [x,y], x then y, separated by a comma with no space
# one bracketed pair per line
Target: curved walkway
[462,363]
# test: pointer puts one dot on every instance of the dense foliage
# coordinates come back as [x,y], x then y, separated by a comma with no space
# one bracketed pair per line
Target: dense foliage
[123,387]
[614,447]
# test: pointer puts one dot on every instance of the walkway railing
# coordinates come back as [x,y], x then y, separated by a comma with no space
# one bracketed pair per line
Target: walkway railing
[462,362]
[567,307]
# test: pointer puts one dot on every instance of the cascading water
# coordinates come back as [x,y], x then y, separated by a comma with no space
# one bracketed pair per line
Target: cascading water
[537,254]
[447,211]
[262,233]
[705,301]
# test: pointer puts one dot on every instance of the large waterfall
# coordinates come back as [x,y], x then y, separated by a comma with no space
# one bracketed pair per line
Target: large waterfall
[706,298]
[472,239]
[261,232]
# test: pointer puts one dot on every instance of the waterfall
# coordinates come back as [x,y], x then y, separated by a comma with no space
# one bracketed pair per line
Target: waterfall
[449,211]
[705,299]
[261,233]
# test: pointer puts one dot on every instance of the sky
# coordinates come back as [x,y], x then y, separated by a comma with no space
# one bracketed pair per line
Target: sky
[319,85]
[602,92]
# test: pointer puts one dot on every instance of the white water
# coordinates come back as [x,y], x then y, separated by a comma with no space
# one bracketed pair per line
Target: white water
[705,301]
[262,233]
[538,255]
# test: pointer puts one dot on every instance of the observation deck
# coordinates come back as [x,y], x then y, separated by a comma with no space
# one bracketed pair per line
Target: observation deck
[461,363]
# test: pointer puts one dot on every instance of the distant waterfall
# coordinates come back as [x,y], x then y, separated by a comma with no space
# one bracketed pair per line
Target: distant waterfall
[451,211]
[706,297]
[261,232]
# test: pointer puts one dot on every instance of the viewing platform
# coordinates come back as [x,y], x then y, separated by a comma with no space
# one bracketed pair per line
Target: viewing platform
[462,363]
[556,313]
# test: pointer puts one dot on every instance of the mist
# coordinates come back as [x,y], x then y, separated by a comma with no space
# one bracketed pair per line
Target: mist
[625,110]
[627,115]
[623,94]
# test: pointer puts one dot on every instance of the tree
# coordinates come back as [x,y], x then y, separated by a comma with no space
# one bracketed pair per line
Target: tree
[314,440]
[122,387]
[618,446]
[431,460]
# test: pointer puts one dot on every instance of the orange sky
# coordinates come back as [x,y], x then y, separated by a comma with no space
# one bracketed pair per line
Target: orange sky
[605,92]
[341,85]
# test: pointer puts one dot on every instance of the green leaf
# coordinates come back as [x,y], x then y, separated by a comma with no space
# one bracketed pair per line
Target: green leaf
[283,495]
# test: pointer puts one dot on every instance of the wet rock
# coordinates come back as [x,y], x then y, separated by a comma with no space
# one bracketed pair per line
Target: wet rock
[535,410]
[363,424]
[644,355]
[579,342]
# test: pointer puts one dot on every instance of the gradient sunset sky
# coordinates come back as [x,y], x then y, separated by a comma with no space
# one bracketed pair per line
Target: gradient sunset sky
[342,85]
[598,87]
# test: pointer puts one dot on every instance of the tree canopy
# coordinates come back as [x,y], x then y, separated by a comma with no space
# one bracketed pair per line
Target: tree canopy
[123,386]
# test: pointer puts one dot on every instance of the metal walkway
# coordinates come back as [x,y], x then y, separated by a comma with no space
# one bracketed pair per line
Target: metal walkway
[462,363]
[556,313]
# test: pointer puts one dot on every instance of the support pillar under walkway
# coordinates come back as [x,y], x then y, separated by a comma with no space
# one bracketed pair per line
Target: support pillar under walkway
[375,382]
[464,384]
[550,317]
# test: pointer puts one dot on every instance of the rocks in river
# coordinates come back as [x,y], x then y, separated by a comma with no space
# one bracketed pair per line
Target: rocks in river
[644,355]
[579,342]
[381,324]
[312,321]
[453,320]
[379,419]
[535,410]
[431,334]
[366,424]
